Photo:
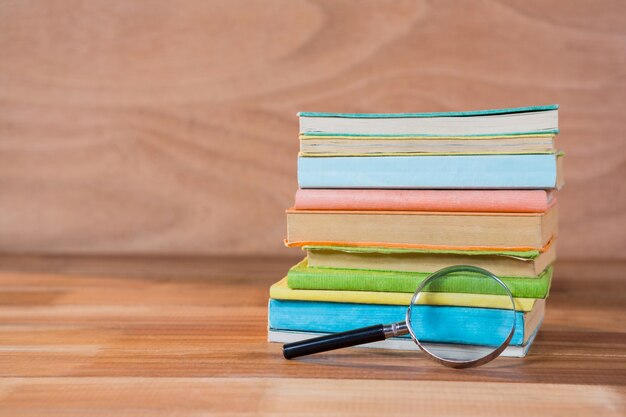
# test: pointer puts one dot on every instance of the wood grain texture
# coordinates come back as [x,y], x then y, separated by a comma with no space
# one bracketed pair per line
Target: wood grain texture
[187,336]
[305,397]
[159,127]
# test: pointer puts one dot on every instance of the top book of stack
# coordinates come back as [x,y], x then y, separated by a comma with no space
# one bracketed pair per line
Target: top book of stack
[488,149]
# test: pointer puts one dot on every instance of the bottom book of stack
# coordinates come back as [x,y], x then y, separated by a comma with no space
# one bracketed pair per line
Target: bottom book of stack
[397,343]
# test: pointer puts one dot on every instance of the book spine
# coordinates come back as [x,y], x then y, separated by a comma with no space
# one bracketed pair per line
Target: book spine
[430,323]
[512,201]
[430,172]
[303,278]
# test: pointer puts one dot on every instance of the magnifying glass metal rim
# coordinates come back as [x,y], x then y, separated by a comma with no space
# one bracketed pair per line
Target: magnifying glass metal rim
[451,362]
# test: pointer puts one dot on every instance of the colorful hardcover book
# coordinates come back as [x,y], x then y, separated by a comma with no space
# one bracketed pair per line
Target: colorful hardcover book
[281,291]
[432,172]
[302,277]
[486,328]
[365,145]
[535,119]
[498,201]
[505,263]
[397,343]
[424,230]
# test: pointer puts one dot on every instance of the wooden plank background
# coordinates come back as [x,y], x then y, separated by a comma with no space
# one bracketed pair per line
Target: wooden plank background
[152,127]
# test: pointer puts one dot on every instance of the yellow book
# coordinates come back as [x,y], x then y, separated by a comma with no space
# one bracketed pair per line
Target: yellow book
[280,291]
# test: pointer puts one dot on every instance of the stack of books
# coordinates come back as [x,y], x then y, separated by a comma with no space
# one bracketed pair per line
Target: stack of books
[387,199]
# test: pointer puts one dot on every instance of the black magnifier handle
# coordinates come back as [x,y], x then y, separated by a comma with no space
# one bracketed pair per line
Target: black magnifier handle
[334,341]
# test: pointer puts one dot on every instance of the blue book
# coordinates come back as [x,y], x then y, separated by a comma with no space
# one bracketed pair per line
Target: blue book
[483,326]
[532,171]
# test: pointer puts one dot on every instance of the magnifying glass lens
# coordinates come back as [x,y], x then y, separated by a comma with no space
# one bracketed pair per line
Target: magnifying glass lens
[455,326]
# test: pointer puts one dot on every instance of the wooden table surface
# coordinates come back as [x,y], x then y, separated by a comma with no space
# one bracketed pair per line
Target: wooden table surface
[187,336]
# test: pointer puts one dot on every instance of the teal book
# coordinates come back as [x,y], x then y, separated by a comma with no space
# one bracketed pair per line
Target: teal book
[303,277]
[519,120]
[481,326]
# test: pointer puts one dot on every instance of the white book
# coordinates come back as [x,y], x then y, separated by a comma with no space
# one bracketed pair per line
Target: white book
[462,352]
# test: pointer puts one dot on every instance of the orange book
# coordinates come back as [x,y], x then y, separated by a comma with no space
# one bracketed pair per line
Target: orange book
[489,201]
[422,229]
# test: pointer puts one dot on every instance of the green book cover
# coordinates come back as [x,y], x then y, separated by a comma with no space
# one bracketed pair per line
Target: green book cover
[304,278]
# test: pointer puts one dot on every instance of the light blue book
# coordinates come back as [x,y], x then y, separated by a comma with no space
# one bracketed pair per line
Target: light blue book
[482,326]
[532,171]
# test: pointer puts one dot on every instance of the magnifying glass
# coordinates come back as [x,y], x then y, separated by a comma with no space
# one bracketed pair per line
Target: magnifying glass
[459,336]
